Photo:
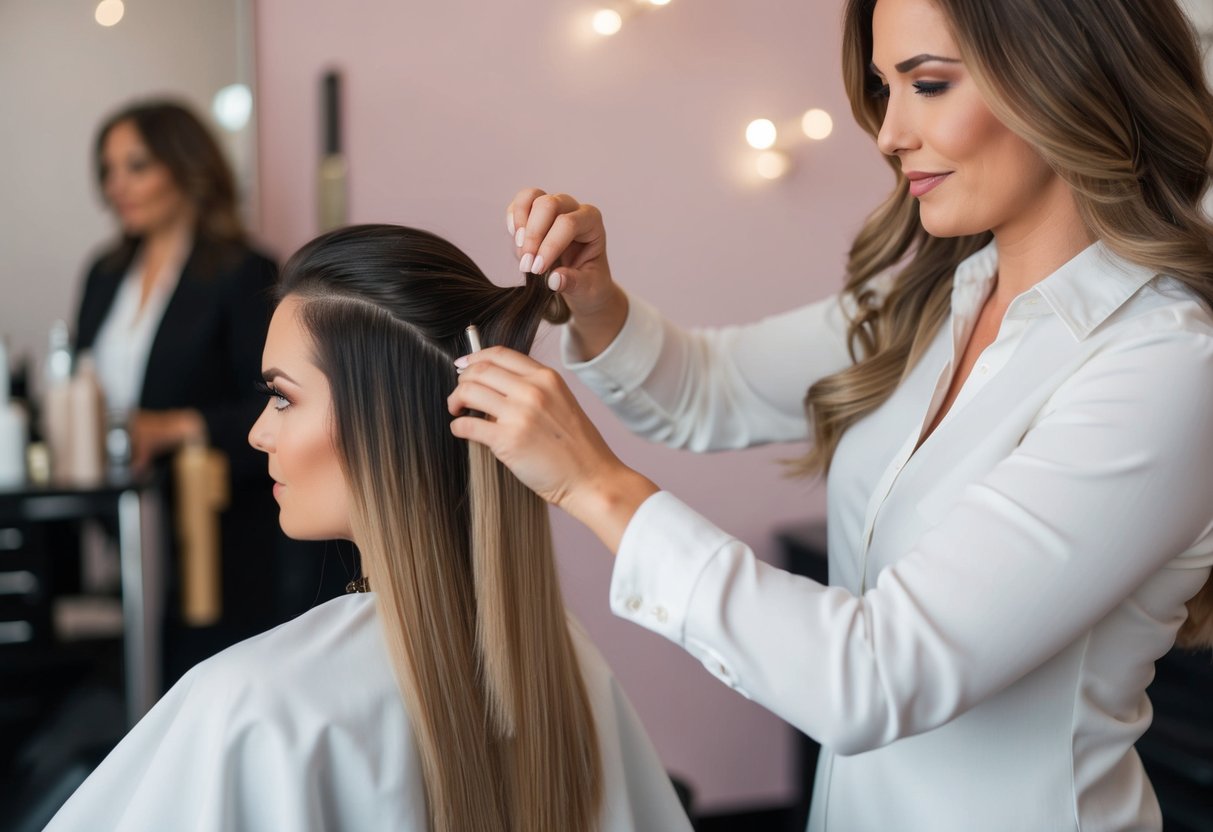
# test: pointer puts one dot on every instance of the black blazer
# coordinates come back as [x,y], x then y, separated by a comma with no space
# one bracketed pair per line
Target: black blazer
[206,354]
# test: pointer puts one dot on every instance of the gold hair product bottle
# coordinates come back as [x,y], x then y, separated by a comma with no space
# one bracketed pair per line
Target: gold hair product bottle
[201,477]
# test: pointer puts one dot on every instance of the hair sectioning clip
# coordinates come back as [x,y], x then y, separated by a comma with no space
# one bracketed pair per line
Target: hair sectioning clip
[474,345]
[473,338]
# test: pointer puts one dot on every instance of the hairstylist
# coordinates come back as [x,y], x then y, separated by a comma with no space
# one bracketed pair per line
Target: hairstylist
[1011,399]
[176,313]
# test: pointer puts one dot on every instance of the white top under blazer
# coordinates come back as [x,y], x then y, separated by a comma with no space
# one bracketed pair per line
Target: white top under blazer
[998,597]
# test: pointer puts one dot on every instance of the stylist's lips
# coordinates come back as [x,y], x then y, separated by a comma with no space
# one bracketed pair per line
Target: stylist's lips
[921,183]
[278,488]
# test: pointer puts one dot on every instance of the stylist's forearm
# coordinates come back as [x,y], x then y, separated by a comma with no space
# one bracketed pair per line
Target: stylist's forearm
[607,504]
[594,326]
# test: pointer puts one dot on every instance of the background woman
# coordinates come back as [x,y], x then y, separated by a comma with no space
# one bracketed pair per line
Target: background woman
[175,315]
[1010,398]
[453,696]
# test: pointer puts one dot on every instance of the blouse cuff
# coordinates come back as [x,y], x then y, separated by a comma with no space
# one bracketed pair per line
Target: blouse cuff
[664,550]
[625,364]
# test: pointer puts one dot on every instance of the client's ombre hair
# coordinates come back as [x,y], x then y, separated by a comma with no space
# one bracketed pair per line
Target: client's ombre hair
[458,551]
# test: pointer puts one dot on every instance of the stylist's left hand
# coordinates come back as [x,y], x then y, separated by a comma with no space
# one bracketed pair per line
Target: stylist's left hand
[537,429]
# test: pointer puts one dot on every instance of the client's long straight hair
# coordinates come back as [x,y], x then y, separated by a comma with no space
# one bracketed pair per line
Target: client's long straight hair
[458,551]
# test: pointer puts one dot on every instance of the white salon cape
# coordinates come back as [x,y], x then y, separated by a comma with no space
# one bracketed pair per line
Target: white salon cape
[302,729]
[998,596]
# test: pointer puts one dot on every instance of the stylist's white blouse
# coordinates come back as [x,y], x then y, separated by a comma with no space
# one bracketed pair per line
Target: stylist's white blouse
[998,597]
[302,729]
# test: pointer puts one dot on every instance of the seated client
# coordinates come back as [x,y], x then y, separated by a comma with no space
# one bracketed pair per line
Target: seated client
[455,695]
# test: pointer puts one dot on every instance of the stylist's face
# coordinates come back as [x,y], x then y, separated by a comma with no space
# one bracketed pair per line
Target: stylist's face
[296,431]
[138,187]
[969,172]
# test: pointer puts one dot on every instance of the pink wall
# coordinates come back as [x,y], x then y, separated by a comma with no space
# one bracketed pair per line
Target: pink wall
[453,106]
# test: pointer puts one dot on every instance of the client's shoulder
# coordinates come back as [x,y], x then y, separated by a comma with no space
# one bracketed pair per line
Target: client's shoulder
[331,661]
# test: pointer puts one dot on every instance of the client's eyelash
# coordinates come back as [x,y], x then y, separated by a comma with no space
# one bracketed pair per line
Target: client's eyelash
[268,391]
[927,89]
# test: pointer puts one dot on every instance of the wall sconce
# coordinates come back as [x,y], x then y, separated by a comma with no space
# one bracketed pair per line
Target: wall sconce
[774,161]
[232,107]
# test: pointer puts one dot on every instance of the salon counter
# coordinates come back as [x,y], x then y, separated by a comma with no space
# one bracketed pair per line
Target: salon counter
[134,510]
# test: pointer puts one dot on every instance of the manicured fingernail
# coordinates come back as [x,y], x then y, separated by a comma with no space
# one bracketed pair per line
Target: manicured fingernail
[525,265]
[555,281]
[461,361]
[519,237]
[509,222]
[537,266]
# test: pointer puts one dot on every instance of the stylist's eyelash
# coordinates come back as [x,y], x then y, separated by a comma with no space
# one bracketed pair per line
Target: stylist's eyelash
[930,89]
[268,391]
[927,89]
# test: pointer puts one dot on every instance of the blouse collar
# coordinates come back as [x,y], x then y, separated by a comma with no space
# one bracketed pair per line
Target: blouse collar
[1083,293]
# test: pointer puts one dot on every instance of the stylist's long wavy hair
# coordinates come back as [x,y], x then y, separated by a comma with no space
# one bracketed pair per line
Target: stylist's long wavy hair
[458,551]
[1112,95]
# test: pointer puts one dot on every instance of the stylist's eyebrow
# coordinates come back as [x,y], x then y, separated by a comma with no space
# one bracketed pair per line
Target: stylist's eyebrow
[274,373]
[917,60]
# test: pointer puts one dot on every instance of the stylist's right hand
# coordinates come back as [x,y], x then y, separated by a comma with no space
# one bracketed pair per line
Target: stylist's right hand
[557,234]
[537,429]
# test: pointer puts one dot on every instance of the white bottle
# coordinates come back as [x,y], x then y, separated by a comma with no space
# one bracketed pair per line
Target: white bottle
[86,448]
[13,431]
[56,404]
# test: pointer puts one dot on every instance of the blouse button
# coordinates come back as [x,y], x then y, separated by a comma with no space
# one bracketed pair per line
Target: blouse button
[983,369]
[661,614]
[633,603]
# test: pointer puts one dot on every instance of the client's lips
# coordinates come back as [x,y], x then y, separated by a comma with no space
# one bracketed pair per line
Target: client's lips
[921,182]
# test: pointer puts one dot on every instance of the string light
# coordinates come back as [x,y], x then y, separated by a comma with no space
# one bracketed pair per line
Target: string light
[761,134]
[775,160]
[772,164]
[109,12]
[817,124]
[607,22]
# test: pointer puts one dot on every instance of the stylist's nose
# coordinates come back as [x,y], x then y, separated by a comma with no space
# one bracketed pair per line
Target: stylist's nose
[896,133]
[261,437]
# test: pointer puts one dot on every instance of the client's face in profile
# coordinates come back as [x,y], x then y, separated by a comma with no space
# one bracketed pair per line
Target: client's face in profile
[296,431]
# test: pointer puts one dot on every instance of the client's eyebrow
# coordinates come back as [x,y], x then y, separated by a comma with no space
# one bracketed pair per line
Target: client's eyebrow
[912,63]
[274,373]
